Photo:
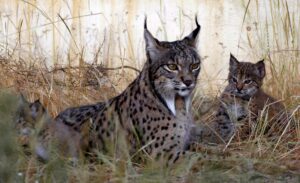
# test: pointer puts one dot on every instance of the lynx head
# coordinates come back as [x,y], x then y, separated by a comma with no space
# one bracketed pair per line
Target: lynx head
[28,117]
[245,78]
[173,66]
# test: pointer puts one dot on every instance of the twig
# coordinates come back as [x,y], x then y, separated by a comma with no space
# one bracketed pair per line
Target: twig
[100,68]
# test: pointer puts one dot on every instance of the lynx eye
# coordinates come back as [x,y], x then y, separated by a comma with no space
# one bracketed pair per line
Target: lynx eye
[234,80]
[248,81]
[172,67]
[195,66]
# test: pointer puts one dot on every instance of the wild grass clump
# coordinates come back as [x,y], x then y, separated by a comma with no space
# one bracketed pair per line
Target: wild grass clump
[260,158]
[277,39]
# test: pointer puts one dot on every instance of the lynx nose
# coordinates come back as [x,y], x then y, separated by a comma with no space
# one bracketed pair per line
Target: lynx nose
[239,87]
[187,82]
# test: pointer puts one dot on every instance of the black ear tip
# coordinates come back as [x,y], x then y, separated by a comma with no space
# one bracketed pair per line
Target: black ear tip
[261,62]
[232,56]
[145,22]
[197,24]
[37,101]
[196,20]
[233,59]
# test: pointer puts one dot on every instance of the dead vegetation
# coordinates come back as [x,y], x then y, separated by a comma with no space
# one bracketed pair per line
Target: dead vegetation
[258,159]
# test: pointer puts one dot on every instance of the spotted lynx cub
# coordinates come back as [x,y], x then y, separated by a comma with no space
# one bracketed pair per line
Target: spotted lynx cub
[37,131]
[242,103]
[31,118]
[144,113]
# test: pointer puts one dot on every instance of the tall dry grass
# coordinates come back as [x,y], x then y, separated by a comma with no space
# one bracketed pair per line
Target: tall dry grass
[258,159]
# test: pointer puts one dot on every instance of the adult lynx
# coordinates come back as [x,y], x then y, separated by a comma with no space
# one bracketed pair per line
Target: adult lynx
[145,113]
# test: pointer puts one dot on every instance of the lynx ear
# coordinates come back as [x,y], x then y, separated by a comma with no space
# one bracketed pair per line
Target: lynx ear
[153,47]
[233,63]
[191,39]
[22,100]
[37,101]
[36,108]
[260,69]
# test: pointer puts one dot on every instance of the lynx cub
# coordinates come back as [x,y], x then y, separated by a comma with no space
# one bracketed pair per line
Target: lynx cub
[241,104]
[144,114]
[37,131]
[30,121]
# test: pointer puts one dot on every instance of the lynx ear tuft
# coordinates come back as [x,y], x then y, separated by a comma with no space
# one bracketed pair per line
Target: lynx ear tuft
[191,39]
[145,23]
[153,47]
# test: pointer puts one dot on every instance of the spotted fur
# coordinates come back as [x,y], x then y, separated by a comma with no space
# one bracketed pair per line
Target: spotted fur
[242,103]
[145,113]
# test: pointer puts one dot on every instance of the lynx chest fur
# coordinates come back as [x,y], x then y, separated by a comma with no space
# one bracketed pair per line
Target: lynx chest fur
[145,113]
